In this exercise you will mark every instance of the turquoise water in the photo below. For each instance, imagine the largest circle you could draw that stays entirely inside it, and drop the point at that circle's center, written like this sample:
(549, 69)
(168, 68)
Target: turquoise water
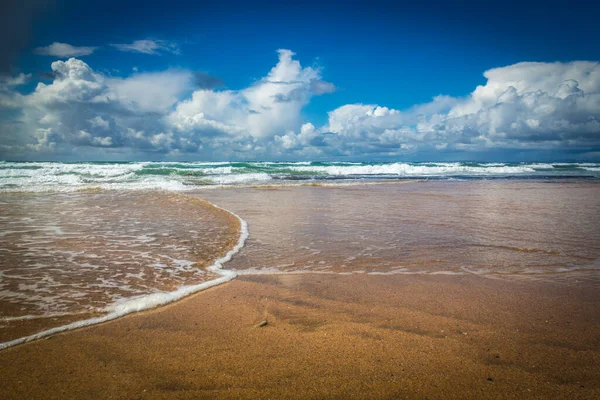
(182, 176)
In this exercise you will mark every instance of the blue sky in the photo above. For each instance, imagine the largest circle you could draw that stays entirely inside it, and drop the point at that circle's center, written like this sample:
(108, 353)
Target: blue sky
(378, 80)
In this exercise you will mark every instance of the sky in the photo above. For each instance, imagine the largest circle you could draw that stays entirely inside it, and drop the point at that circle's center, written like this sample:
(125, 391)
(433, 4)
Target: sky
(239, 80)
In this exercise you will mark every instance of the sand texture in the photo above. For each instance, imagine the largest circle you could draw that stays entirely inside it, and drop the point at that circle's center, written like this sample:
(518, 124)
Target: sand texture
(332, 336)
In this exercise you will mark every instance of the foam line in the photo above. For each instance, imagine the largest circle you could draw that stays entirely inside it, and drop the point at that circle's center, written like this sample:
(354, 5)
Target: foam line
(146, 302)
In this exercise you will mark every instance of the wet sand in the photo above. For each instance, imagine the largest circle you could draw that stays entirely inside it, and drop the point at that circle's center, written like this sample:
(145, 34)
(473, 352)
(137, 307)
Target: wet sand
(516, 316)
(64, 257)
(332, 336)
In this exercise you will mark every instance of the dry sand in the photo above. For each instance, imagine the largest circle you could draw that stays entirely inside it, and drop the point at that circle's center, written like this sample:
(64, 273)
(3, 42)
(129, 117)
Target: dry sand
(331, 336)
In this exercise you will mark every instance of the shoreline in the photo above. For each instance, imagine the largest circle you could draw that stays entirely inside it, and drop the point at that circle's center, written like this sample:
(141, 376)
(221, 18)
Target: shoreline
(340, 334)
(208, 285)
(118, 310)
(153, 300)
(331, 336)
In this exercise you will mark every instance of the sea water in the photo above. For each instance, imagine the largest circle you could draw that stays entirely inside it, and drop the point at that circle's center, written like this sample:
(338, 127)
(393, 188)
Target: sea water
(81, 243)
(178, 176)
(73, 256)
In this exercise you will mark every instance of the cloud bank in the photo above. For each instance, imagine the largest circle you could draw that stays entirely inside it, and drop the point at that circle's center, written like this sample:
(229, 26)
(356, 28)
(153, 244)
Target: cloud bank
(522, 107)
(64, 50)
(179, 114)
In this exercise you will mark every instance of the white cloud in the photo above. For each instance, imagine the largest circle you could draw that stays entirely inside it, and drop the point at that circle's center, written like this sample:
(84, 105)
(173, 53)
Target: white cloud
(82, 107)
(308, 144)
(146, 111)
(530, 104)
(149, 46)
(529, 77)
(10, 99)
(152, 91)
(99, 122)
(10, 81)
(270, 106)
(45, 141)
(64, 50)
(526, 106)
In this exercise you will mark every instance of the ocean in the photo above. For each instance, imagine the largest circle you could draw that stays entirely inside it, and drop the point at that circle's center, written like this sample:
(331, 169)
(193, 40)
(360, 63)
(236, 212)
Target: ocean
(178, 176)
(82, 243)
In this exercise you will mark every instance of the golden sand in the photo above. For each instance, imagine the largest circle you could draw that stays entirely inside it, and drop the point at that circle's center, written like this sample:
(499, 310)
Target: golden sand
(331, 336)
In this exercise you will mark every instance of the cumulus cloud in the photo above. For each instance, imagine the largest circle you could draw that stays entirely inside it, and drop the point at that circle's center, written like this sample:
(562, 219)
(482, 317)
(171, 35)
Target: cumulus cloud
(531, 106)
(9, 99)
(257, 110)
(173, 111)
(149, 46)
(82, 107)
(526, 106)
(64, 50)
(150, 92)
(11, 81)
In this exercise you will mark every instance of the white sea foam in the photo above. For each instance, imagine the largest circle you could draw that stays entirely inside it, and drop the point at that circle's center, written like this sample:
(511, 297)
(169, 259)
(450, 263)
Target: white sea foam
(215, 171)
(144, 302)
(403, 169)
(542, 166)
(35, 317)
(240, 178)
(207, 163)
(183, 176)
(475, 271)
(310, 271)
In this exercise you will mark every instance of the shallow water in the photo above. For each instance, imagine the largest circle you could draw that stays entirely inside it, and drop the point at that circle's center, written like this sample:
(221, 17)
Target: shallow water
(70, 256)
(441, 227)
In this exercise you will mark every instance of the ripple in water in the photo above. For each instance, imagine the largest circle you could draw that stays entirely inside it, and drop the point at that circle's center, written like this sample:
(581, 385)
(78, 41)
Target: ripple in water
(66, 257)
(522, 228)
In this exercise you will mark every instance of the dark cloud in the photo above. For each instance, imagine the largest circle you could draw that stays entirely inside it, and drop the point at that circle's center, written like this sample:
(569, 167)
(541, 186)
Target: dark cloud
(320, 87)
(298, 94)
(202, 80)
(16, 20)
(47, 75)
(315, 87)
(281, 82)
(281, 98)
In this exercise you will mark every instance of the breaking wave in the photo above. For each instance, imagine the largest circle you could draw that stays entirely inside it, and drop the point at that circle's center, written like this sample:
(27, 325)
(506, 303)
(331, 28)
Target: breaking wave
(184, 176)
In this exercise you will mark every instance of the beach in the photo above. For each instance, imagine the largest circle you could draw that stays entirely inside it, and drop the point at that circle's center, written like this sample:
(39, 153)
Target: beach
(260, 200)
(384, 288)
(331, 336)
